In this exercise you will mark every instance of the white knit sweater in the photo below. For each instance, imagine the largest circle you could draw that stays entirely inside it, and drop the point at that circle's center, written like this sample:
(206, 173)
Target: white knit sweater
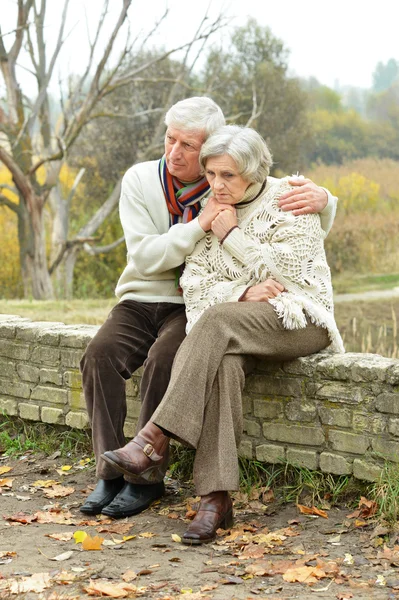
(269, 243)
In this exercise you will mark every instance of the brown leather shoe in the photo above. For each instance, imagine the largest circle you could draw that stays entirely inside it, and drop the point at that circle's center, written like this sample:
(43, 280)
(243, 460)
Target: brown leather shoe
(141, 456)
(215, 510)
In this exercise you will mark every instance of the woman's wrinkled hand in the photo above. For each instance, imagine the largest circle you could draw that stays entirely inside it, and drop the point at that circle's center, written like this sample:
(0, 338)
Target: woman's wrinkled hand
(262, 292)
(224, 222)
(211, 211)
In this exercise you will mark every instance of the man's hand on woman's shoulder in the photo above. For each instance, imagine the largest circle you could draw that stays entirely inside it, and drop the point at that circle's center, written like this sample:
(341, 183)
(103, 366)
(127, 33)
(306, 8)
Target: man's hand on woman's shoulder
(305, 198)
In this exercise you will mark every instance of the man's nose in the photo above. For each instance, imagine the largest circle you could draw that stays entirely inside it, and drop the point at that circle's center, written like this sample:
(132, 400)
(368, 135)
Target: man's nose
(176, 150)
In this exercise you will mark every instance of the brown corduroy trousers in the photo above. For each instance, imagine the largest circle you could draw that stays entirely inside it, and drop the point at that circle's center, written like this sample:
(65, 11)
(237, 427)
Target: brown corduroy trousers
(202, 405)
(135, 334)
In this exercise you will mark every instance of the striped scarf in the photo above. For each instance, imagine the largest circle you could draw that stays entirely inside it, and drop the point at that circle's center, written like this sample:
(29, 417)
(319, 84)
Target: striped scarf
(182, 200)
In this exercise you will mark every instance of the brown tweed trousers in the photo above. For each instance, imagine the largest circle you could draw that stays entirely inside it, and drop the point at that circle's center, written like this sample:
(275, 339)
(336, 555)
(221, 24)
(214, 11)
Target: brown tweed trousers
(202, 404)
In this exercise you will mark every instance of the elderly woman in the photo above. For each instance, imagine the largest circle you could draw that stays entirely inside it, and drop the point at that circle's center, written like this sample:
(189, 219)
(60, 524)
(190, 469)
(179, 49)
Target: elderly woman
(253, 252)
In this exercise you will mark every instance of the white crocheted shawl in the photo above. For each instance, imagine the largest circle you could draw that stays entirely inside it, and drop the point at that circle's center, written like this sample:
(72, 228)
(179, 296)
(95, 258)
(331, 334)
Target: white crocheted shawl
(269, 243)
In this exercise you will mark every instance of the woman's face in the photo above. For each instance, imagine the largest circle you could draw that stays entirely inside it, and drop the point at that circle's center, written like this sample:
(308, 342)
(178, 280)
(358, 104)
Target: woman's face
(226, 183)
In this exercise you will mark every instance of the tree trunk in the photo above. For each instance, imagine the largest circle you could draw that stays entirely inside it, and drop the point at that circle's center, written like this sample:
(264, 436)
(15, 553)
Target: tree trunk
(35, 275)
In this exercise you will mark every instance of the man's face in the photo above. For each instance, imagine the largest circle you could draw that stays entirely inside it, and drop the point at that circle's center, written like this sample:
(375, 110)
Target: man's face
(182, 150)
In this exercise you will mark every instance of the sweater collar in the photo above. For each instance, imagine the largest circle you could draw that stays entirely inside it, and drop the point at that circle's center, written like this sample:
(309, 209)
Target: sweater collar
(252, 192)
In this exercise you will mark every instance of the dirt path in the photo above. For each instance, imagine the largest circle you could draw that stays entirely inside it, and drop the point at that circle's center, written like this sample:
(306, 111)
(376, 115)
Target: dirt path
(370, 295)
(269, 547)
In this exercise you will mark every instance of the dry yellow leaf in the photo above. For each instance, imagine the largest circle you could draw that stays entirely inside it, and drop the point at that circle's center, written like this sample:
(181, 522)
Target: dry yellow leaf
(79, 536)
(147, 534)
(66, 467)
(45, 483)
(92, 543)
(176, 538)
(129, 575)
(113, 590)
(5, 470)
(6, 482)
(59, 491)
(36, 583)
(61, 537)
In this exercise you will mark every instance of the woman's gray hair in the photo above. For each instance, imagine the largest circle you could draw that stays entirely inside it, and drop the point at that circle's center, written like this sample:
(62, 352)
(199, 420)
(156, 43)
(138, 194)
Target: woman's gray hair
(196, 114)
(245, 146)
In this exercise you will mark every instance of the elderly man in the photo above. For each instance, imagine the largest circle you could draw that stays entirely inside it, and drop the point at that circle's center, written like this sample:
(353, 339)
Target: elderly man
(159, 204)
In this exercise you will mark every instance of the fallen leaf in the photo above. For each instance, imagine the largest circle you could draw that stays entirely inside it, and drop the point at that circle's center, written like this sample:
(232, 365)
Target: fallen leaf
(113, 590)
(190, 514)
(129, 575)
(44, 483)
(54, 516)
(59, 491)
(115, 528)
(92, 543)
(6, 553)
(390, 554)
(367, 508)
(6, 482)
(147, 534)
(176, 538)
(79, 536)
(5, 470)
(65, 536)
(312, 511)
(36, 583)
(349, 560)
(344, 595)
(173, 515)
(303, 574)
(21, 517)
(64, 556)
(126, 538)
(66, 467)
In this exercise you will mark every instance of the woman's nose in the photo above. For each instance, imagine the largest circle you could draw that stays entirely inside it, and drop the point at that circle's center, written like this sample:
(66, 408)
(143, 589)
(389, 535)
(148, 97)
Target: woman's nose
(219, 183)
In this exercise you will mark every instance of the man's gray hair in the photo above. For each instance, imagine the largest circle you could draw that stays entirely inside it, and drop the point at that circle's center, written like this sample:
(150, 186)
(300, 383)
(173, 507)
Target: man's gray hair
(245, 146)
(196, 114)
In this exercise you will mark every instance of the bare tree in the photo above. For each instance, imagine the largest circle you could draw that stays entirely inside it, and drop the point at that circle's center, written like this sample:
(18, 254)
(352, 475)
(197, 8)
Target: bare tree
(29, 140)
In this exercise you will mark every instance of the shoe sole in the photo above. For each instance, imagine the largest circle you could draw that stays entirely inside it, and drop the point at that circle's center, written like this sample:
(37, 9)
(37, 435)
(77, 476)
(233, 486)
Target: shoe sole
(152, 474)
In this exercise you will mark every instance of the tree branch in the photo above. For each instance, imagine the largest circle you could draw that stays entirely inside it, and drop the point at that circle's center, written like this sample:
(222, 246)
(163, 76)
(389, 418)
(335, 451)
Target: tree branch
(93, 251)
(4, 201)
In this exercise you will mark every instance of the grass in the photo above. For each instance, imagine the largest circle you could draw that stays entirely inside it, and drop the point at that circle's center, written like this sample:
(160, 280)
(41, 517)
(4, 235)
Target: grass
(385, 492)
(355, 283)
(91, 312)
(18, 437)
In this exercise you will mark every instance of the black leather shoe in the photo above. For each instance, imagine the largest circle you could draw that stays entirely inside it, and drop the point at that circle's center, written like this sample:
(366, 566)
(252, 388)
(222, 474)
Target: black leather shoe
(133, 499)
(103, 494)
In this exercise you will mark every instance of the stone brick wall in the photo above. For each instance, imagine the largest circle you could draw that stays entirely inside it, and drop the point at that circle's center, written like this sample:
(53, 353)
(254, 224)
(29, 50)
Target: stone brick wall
(335, 413)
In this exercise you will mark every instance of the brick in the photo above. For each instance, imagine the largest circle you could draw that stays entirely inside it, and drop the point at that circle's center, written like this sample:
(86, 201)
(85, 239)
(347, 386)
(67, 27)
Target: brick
(274, 386)
(337, 417)
(132, 387)
(268, 409)
(46, 355)
(14, 350)
(133, 409)
(8, 330)
(245, 449)
(303, 458)
(247, 405)
(70, 358)
(393, 427)
(252, 428)
(293, 434)
(370, 367)
(299, 410)
(270, 453)
(78, 337)
(388, 403)
(332, 463)
(8, 406)
(28, 372)
(270, 367)
(51, 376)
(8, 369)
(29, 411)
(77, 420)
(129, 428)
(366, 470)
(387, 449)
(76, 400)
(14, 388)
(338, 392)
(393, 374)
(348, 442)
(53, 415)
(72, 379)
(52, 395)
(305, 365)
(29, 332)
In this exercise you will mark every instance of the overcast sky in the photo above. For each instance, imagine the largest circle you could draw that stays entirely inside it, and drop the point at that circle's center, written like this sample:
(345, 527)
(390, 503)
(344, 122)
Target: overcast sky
(338, 42)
